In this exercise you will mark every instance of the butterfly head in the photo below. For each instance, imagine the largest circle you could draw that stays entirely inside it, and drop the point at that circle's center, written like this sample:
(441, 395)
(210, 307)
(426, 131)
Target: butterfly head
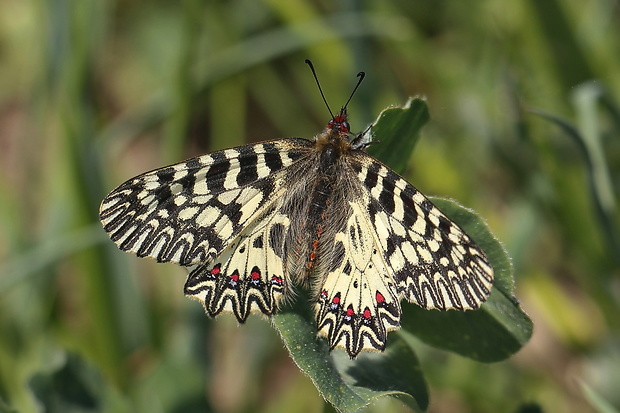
(339, 123)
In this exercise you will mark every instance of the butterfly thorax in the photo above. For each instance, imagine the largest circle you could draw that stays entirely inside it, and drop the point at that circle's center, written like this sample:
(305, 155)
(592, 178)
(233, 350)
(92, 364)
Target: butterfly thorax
(315, 226)
(331, 145)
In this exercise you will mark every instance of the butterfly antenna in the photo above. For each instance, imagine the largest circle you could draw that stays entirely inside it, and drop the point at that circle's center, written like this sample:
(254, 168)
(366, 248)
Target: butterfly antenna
(361, 76)
(309, 63)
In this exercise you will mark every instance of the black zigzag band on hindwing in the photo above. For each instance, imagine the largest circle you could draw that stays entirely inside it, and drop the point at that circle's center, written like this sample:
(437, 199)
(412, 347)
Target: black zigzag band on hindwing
(249, 275)
(235, 293)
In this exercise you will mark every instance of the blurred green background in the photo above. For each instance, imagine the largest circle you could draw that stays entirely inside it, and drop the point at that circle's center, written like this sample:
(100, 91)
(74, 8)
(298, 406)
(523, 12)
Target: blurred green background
(525, 129)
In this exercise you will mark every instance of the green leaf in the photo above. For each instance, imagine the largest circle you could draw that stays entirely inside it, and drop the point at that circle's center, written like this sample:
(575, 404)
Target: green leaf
(396, 131)
(500, 328)
(73, 386)
(5, 408)
(351, 384)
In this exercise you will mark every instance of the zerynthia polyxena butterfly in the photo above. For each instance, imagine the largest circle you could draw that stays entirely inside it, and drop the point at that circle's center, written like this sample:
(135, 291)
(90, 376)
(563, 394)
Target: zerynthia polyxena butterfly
(256, 222)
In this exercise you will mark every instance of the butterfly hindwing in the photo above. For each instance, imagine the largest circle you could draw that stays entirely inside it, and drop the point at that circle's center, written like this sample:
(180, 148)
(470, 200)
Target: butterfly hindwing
(248, 277)
(189, 212)
(358, 302)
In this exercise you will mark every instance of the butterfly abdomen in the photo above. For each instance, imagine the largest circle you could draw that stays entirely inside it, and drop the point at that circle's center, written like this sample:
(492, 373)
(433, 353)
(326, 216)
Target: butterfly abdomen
(316, 216)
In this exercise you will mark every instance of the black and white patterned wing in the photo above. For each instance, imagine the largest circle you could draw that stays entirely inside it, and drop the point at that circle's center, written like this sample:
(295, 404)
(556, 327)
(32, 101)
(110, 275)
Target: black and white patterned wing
(396, 244)
(248, 277)
(358, 303)
(188, 213)
(435, 264)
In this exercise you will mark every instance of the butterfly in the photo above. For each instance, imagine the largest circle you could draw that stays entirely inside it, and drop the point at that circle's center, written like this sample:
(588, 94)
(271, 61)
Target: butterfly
(255, 223)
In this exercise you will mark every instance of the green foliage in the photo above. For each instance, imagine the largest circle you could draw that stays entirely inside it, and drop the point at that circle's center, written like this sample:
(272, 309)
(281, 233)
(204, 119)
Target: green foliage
(72, 387)
(95, 92)
(396, 131)
(346, 384)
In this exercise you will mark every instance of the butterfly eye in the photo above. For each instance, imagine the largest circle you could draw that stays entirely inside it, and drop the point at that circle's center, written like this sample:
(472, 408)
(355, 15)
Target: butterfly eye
(346, 125)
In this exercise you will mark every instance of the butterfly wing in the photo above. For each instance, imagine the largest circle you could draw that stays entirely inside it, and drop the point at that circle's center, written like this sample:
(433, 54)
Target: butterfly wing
(435, 264)
(248, 277)
(395, 244)
(225, 216)
(219, 214)
(358, 302)
(190, 212)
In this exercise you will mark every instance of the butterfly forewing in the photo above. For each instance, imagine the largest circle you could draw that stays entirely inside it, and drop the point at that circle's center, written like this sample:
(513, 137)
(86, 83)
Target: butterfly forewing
(189, 212)
(434, 263)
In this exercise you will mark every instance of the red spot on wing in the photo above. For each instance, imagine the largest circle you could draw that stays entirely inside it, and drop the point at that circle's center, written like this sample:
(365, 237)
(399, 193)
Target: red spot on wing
(350, 311)
(255, 275)
(380, 298)
(335, 304)
(367, 314)
(216, 269)
(235, 276)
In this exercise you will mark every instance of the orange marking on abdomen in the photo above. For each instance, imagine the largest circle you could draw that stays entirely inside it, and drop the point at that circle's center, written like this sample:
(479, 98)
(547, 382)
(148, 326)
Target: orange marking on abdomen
(315, 247)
